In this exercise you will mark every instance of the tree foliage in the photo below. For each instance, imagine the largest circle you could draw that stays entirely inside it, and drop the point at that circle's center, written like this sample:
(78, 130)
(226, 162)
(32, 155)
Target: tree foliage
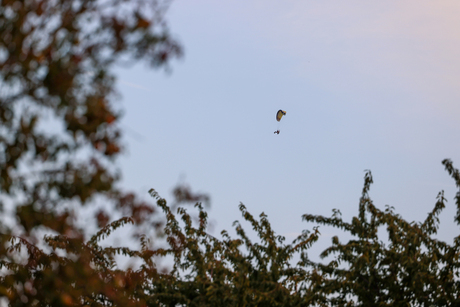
(411, 268)
(59, 139)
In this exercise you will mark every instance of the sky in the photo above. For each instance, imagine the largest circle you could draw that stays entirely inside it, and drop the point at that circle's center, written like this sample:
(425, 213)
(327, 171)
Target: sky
(365, 84)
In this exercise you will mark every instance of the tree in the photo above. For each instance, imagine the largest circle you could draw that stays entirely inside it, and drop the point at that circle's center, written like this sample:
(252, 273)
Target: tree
(59, 139)
(208, 271)
(412, 269)
(58, 143)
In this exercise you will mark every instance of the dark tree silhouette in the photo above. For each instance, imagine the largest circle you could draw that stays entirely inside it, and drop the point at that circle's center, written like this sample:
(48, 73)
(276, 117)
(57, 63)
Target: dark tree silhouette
(413, 268)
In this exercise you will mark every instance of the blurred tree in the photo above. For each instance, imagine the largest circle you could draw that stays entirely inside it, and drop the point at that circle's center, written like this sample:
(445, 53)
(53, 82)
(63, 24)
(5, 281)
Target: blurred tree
(58, 141)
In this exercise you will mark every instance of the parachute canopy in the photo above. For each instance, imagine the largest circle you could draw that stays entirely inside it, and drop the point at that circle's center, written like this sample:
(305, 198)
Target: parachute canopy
(280, 114)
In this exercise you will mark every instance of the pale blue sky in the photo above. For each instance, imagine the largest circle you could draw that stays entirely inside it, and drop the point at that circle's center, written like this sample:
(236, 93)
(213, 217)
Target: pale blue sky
(366, 85)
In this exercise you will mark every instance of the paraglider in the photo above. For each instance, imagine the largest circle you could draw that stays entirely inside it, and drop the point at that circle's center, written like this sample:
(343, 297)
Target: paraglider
(279, 115)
